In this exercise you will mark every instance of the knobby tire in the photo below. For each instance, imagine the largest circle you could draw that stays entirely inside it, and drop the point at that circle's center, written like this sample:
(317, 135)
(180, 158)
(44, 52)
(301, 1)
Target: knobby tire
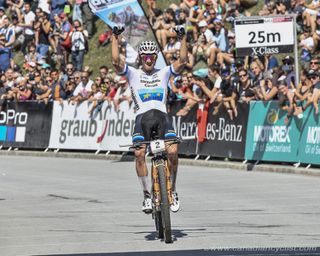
(165, 207)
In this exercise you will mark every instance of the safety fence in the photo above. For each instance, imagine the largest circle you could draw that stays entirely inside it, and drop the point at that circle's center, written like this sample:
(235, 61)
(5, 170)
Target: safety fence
(259, 132)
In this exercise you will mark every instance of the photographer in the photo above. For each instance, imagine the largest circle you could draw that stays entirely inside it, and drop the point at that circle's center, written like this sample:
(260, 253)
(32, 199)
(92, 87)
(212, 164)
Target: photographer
(78, 41)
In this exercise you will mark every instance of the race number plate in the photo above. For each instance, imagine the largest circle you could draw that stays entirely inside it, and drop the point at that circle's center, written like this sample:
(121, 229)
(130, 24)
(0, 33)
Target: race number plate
(157, 146)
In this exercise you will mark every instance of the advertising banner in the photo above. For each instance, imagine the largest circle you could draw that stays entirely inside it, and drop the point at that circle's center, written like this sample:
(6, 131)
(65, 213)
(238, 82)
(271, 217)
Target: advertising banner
(130, 15)
(264, 35)
(309, 148)
(105, 129)
(226, 137)
(185, 127)
(269, 137)
(25, 125)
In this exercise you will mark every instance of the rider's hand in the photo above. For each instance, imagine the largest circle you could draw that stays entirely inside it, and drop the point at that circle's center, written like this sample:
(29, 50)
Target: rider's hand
(117, 30)
(180, 30)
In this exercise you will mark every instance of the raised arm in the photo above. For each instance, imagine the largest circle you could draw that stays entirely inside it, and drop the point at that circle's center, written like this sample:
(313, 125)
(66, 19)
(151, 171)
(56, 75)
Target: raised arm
(116, 60)
(180, 63)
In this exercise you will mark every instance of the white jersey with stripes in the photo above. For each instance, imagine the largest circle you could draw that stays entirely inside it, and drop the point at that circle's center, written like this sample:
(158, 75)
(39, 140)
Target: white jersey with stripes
(149, 90)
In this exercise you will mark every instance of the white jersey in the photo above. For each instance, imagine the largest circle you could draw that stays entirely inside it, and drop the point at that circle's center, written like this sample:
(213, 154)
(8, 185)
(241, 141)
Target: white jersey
(149, 91)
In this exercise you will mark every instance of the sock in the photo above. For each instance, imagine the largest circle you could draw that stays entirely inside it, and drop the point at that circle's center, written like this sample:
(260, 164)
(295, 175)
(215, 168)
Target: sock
(144, 184)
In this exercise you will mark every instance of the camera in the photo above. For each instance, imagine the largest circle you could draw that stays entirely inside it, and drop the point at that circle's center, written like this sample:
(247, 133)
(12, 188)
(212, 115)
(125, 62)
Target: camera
(117, 30)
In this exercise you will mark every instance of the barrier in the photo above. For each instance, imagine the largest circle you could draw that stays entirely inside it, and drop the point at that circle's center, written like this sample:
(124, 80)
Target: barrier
(25, 125)
(258, 133)
(270, 138)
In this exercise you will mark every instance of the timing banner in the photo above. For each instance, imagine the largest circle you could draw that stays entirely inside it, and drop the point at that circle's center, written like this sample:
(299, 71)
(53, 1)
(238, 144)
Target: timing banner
(105, 129)
(25, 125)
(264, 35)
(226, 137)
(130, 15)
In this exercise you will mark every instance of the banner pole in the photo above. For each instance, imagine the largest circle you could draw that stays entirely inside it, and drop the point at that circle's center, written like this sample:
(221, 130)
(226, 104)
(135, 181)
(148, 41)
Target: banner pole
(296, 50)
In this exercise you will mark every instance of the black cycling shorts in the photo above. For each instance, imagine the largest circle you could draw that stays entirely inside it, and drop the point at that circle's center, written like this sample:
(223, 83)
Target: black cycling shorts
(151, 124)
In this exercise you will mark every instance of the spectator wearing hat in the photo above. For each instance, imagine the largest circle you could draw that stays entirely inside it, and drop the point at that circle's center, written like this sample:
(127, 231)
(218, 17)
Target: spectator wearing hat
(123, 93)
(8, 32)
(205, 42)
(227, 96)
(6, 56)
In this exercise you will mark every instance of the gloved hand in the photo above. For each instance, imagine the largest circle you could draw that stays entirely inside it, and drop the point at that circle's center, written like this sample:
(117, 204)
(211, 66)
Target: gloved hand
(180, 30)
(117, 30)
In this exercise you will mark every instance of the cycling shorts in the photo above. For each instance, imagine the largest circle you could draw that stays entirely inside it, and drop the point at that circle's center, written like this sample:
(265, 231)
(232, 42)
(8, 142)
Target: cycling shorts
(151, 124)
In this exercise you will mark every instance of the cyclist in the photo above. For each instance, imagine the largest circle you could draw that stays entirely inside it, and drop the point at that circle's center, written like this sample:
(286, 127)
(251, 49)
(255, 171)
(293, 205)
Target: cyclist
(149, 89)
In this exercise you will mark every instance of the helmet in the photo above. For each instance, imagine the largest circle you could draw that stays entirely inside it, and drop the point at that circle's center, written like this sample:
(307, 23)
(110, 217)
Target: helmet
(148, 47)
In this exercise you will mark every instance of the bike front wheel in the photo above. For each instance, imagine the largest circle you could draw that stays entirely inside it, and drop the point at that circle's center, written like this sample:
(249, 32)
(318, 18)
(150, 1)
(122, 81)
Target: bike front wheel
(164, 205)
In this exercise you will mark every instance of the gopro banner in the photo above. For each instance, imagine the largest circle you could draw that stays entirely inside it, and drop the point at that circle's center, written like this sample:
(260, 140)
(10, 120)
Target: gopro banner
(130, 15)
(25, 125)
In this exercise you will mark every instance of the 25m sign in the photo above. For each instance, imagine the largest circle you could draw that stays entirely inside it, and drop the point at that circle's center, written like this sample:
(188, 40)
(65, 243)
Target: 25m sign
(264, 35)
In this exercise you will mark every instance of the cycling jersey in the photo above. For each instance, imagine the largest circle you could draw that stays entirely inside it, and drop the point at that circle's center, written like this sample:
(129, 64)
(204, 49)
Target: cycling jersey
(149, 91)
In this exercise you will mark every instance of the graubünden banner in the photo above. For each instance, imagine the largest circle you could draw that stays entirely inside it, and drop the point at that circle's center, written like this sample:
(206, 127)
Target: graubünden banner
(25, 125)
(105, 129)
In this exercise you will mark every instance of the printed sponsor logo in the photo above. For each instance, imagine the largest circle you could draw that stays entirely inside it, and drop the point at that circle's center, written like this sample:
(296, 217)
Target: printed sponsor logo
(12, 125)
(118, 127)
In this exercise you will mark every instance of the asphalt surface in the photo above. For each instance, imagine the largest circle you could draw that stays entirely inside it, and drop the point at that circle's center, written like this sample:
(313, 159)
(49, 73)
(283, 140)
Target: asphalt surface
(57, 206)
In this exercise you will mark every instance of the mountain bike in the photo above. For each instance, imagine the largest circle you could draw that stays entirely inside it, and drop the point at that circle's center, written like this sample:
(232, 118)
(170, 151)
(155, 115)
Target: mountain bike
(161, 191)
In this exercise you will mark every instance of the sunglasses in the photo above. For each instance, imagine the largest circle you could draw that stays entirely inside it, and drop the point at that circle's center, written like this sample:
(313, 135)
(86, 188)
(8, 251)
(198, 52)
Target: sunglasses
(314, 62)
(77, 77)
(243, 75)
(149, 57)
(313, 77)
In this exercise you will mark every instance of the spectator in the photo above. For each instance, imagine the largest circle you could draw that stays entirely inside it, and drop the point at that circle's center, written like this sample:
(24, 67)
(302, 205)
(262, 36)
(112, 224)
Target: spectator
(95, 97)
(307, 45)
(267, 89)
(103, 70)
(289, 72)
(314, 78)
(43, 91)
(6, 56)
(285, 99)
(171, 49)
(2, 15)
(42, 28)
(29, 33)
(257, 71)
(78, 42)
(123, 93)
(244, 89)
(9, 32)
(83, 89)
(87, 18)
(227, 58)
(302, 94)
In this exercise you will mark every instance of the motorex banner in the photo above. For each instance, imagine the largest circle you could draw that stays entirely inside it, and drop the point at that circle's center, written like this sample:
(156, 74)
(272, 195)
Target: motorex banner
(309, 149)
(127, 13)
(269, 137)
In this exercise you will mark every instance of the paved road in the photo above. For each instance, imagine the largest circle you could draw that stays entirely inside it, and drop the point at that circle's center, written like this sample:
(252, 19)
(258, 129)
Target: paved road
(54, 206)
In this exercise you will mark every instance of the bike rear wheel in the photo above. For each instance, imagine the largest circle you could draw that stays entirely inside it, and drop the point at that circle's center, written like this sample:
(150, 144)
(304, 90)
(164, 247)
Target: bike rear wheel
(164, 205)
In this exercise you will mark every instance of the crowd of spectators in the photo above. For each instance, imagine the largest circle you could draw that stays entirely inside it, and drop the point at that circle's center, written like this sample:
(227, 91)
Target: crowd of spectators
(227, 79)
(53, 36)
